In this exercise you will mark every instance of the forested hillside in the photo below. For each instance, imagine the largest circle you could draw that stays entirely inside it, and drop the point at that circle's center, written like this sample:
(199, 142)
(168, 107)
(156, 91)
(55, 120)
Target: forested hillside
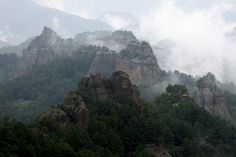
(118, 123)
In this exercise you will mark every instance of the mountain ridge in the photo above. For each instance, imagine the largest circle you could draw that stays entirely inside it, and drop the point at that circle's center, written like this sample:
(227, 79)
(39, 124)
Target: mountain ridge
(133, 57)
(30, 12)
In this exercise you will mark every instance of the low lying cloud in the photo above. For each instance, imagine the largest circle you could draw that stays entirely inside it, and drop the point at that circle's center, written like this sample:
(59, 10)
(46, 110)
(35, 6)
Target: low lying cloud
(119, 21)
(68, 6)
(6, 35)
(3, 36)
(202, 39)
(57, 26)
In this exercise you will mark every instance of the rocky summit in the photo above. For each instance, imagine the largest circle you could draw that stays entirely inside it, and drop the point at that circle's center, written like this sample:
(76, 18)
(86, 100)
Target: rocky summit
(93, 90)
(115, 51)
(42, 49)
(208, 95)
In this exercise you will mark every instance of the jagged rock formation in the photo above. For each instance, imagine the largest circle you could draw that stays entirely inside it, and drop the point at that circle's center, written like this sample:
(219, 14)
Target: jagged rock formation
(75, 104)
(42, 49)
(139, 62)
(115, 51)
(126, 54)
(208, 95)
(118, 88)
(73, 110)
(93, 90)
(56, 116)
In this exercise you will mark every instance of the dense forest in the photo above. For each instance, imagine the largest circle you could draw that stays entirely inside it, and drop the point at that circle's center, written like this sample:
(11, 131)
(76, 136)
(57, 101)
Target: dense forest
(173, 121)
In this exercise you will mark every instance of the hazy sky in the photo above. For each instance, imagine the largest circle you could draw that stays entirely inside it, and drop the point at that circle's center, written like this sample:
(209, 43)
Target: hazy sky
(139, 8)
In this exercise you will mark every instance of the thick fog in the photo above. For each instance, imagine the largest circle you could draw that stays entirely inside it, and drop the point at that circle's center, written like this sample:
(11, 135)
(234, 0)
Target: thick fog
(199, 40)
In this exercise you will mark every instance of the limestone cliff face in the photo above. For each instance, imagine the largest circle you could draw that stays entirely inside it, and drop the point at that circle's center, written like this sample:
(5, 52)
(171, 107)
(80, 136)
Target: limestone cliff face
(126, 54)
(139, 62)
(119, 50)
(93, 90)
(208, 95)
(136, 59)
(43, 48)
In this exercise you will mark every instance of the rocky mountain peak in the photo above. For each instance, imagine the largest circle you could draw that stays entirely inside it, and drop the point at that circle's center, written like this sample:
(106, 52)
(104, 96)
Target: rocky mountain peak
(47, 38)
(48, 33)
(117, 51)
(118, 88)
(122, 36)
(208, 95)
(93, 90)
(47, 30)
(207, 81)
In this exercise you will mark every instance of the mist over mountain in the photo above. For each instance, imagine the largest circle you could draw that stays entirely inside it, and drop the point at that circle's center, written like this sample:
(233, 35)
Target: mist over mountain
(198, 37)
(152, 78)
(33, 17)
(17, 49)
(116, 20)
(2, 44)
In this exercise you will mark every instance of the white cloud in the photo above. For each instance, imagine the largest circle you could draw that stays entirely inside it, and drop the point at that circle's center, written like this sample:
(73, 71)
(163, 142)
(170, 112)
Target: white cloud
(116, 21)
(56, 26)
(200, 36)
(68, 6)
(55, 23)
(3, 36)
(6, 35)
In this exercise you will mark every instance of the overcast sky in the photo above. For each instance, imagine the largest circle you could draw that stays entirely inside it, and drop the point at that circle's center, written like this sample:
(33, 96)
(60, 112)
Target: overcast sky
(139, 8)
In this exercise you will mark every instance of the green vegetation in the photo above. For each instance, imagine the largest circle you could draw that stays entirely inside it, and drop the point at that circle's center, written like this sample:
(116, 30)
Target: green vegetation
(114, 130)
(8, 64)
(44, 86)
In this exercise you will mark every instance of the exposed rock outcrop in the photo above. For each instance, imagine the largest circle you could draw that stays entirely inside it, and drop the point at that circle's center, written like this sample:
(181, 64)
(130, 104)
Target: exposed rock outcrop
(77, 109)
(42, 49)
(139, 62)
(136, 59)
(93, 90)
(208, 95)
(56, 116)
(115, 51)
(73, 110)
(118, 88)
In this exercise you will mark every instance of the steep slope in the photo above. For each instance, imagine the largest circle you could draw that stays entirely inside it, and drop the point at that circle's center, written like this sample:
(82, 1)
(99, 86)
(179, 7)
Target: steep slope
(208, 95)
(43, 48)
(119, 50)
